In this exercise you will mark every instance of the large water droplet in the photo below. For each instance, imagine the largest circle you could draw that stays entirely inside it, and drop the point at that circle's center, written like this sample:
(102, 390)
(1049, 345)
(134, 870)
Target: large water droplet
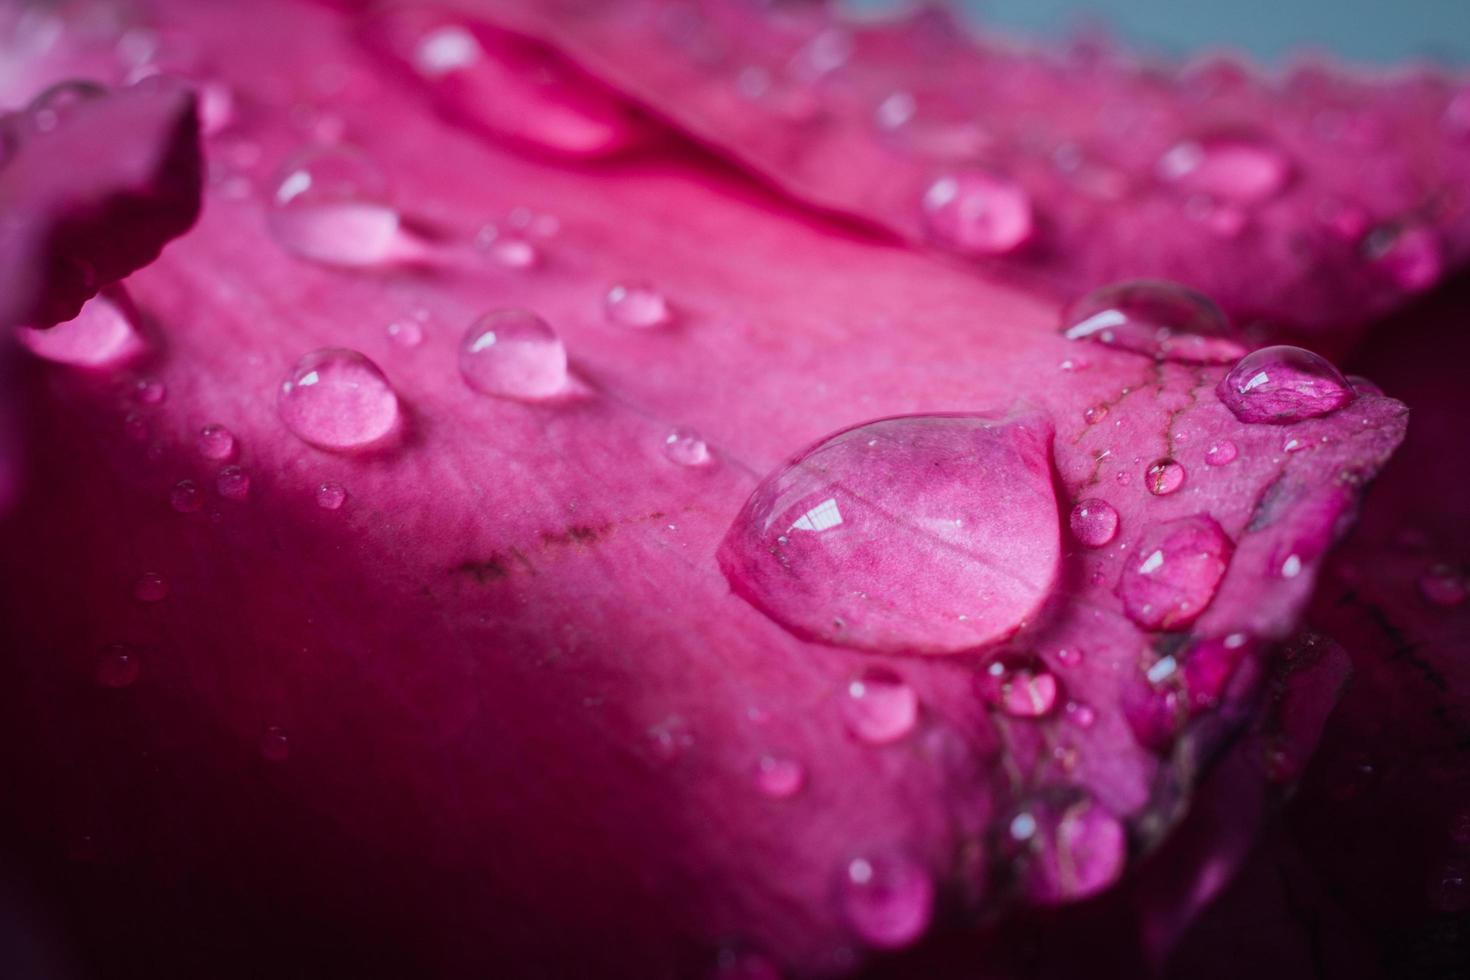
(102, 335)
(636, 304)
(1174, 571)
(1409, 254)
(330, 205)
(513, 354)
(118, 666)
(1282, 385)
(888, 899)
(1019, 685)
(1164, 477)
(1160, 319)
(1240, 168)
(976, 213)
(337, 399)
(879, 706)
(779, 778)
(919, 534)
(1094, 522)
(1064, 848)
(216, 442)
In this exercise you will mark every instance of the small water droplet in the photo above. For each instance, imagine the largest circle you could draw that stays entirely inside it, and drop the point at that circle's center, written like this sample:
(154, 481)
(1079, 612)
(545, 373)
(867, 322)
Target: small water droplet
(1164, 476)
(1409, 254)
(1095, 414)
(216, 442)
(405, 333)
(1081, 715)
(1161, 319)
(186, 497)
(150, 587)
(136, 427)
(331, 496)
(233, 483)
(1068, 656)
(118, 666)
(149, 392)
(670, 738)
(275, 746)
(336, 399)
(1282, 385)
(685, 447)
(1219, 217)
(888, 899)
(446, 49)
(976, 213)
(1018, 684)
(879, 706)
(1221, 453)
(1094, 522)
(636, 304)
(779, 778)
(102, 335)
(513, 354)
(1444, 585)
(1064, 848)
(330, 205)
(59, 102)
(1174, 571)
(1236, 167)
(510, 250)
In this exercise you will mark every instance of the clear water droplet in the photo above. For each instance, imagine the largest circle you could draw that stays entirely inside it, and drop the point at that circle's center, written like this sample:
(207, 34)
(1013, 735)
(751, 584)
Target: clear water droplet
(1094, 522)
(1408, 254)
(186, 497)
(879, 706)
(1069, 656)
(976, 213)
(510, 250)
(118, 666)
(1235, 167)
(1444, 585)
(216, 442)
(1064, 847)
(513, 354)
(1164, 476)
(233, 483)
(1018, 684)
(685, 447)
(1174, 571)
(1081, 715)
(1282, 385)
(275, 746)
(330, 205)
(331, 496)
(1221, 453)
(405, 333)
(337, 399)
(917, 534)
(149, 392)
(888, 899)
(150, 587)
(1160, 319)
(102, 335)
(636, 304)
(1095, 414)
(779, 778)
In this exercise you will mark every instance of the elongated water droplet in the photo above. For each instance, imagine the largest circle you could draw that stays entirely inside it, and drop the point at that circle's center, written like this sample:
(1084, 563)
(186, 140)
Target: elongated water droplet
(1444, 585)
(216, 442)
(779, 778)
(685, 447)
(918, 534)
(636, 304)
(330, 496)
(1064, 847)
(1174, 571)
(102, 335)
(337, 399)
(513, 354)
(879, 706)
(232, 483)
(888, 899)
(1019, 685)
(1221, 453)
(1094, 522)
(1282, 385)
(150, 587)
(1164, 477)
(976, 213)
(1160, 319)
(118, 666)
(186, 497)
(330, 205)
(1240, 168)
(1408, 254)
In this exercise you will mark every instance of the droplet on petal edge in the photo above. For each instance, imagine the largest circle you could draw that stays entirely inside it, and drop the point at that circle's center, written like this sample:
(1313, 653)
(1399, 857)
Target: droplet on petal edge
(102, 335)
(1173, 572)
(513, 354)
(888, 899)
(1282, 385)
(337, 399)
(917, 534)
(330, 205)
(1160, 319)
(1094, 522)
(976, 213)
(879, 706)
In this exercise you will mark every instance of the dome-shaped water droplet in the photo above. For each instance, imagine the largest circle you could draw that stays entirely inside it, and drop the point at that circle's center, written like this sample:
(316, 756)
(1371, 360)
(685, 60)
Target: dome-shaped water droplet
(1079, 714)
(1282, 385)
(878, 706)
(149, 392)
(888, 899)
(1160, 319)
(337, 399)
(685, 447)
(1064, 847)
(1444, 585)
(1094, 522)
(636, 304)
(1018, 684)
(53, 106)
(779, 778)
(330, 205)
(216, 442)
(513, 354)
(1241, 168)
(405, 333)
(150, 587)
(1173, 572)
(330, 496)
(1409, 255)
(1095, 414)
(186, 497)
(1164, 476)
(118, 666)
(233, 483)
(918, 534)
(102, 335)
(1221, 453)
(976, 213)
(513, 251)
(275, 746)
